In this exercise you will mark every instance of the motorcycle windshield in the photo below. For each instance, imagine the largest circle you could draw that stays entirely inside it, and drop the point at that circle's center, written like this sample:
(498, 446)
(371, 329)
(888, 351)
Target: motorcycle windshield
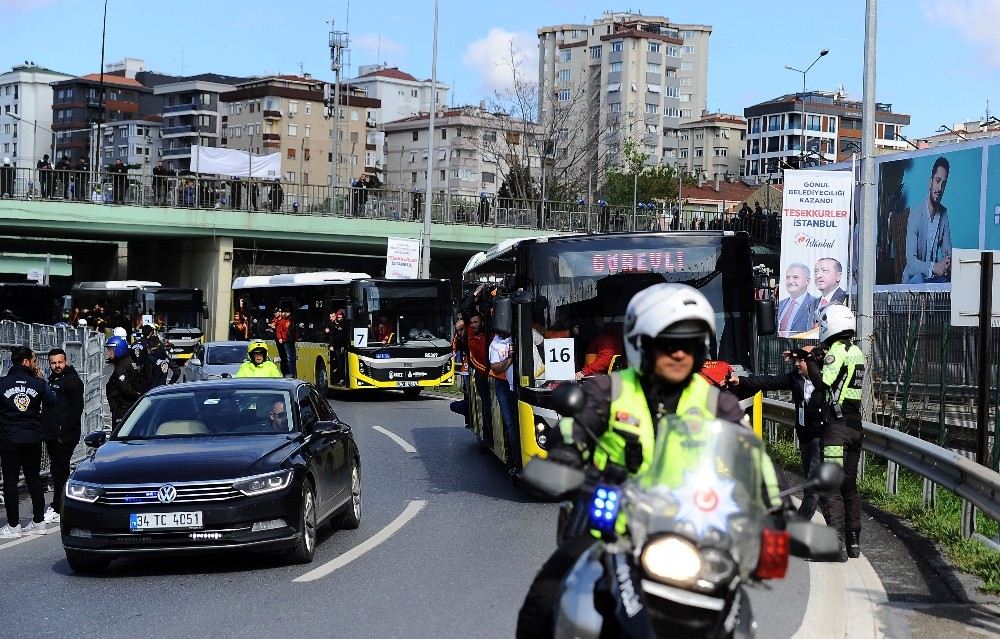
(704, 482)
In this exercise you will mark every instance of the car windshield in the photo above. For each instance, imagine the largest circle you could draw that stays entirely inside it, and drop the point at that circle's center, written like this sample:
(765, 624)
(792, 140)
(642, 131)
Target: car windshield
(209, 412)
(225, 354)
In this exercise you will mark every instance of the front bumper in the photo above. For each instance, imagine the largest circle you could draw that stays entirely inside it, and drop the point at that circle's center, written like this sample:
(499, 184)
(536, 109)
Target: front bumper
(226, 526)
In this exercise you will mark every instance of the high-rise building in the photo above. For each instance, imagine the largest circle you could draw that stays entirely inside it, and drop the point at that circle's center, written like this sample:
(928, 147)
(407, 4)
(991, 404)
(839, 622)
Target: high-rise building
(286, 115)
(776, 139)
(401, 94)
(26, 114)
(625, 77)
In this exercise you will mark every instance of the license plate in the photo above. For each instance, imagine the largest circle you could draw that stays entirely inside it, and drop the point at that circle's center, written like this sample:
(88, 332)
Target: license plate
(407, 384)
(152, 521)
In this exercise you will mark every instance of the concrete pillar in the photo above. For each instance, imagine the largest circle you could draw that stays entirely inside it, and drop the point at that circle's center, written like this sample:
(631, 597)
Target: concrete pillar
(208, 264)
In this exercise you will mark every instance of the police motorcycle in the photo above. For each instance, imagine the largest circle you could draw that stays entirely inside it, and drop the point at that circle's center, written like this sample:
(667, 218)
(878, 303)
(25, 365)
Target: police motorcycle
(675, 547)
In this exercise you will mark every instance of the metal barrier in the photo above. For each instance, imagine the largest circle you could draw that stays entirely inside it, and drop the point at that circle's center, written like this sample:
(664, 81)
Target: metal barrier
(977, 485)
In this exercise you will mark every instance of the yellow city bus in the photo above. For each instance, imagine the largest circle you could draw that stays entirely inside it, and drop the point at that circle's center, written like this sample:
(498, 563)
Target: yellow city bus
(397, 333)
(571, 287)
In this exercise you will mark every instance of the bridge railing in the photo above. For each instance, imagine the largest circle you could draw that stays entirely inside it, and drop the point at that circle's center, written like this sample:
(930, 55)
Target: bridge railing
(293, 198)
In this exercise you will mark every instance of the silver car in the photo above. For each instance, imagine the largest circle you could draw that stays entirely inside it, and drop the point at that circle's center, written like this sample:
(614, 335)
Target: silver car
(214, 360)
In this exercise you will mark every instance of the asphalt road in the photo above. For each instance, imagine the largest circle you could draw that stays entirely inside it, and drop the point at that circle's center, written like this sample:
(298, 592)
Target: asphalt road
(447, 548)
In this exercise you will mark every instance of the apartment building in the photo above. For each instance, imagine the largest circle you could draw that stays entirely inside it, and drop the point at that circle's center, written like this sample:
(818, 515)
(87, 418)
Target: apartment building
(401, 95)
(776, 138)
(988, 127)
(712, 146)
(624, 77)
(26, 113)
(192, 115)
(137, 143)
(473, 150)
(286, 115)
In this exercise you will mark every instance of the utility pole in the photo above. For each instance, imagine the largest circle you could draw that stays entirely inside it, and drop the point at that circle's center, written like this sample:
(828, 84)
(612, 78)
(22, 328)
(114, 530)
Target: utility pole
(339, 42)
(425, 246)
(865, 304)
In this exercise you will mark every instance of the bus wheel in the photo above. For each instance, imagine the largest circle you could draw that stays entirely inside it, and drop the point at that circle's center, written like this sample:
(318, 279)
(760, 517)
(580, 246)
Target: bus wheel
(321, 377)
(411, 393)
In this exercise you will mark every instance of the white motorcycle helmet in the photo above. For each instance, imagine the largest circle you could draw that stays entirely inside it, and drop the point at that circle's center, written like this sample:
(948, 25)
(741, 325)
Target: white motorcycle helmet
(119, 331)
(666, 310)
(836, 320)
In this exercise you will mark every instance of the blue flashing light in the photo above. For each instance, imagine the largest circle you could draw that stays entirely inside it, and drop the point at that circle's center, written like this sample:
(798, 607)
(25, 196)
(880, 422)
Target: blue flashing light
(599, 503)
(612, 495)
(602, 493)
(608, 516)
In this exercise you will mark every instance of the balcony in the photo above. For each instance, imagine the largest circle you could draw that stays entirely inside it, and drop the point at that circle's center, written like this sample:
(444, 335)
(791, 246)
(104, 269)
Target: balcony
(184, 150)
(177, 130)
(371, 124)
(270, 114)
(177, 108)
(272, 137)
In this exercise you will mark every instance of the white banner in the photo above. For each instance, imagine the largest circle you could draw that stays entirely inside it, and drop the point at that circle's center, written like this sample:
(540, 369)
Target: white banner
(234, 163)
(402, 259)
(815, 247)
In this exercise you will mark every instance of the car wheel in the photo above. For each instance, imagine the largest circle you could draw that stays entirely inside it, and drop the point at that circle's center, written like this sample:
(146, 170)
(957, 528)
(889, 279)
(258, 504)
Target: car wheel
(351, 518)
(411, 393)
(305, 549)
(87, 565)
(322, 384)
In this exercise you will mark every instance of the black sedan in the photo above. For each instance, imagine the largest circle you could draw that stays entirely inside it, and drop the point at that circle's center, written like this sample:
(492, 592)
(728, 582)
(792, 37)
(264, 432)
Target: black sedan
(220, 465)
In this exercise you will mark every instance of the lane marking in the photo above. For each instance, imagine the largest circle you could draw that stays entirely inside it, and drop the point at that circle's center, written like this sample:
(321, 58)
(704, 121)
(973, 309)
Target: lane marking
(372, 542)
(23, 539)
(405, 445)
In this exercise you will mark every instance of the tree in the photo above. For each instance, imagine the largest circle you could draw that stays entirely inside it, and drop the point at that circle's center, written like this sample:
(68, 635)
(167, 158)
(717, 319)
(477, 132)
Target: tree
(633, 178)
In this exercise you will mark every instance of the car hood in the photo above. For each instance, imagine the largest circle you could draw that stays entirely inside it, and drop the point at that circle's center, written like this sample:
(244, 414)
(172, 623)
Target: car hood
(178, 459)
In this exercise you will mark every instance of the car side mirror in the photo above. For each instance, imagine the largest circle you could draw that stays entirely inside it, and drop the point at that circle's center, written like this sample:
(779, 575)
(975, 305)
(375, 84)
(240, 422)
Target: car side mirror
(194, 361)
(766, 318)
(326, 428)
(95, 439)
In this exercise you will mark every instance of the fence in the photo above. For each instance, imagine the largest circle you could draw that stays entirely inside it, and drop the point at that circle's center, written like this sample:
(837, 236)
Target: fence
(84, 351)
(199, 192)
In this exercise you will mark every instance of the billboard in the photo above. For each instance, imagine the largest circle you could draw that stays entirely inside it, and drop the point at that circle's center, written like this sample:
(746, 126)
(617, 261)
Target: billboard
(402, 259)
(815, 247)
(931, 202)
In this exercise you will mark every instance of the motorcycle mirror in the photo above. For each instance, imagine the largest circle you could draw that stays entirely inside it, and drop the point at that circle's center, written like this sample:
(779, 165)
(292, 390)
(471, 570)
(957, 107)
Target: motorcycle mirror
(828, 476)
(551, 478)
(568, 399)
(813, 541)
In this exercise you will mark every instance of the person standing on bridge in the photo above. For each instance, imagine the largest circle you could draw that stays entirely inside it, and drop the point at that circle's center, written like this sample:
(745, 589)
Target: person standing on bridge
(7, 174)
(119, 181)
(45, 177)
(838, 372)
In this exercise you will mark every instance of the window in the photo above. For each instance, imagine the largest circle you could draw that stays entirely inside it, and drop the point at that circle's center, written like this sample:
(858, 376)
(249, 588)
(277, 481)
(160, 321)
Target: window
(564, 75)
(443, 176)
(699, 152)
(673, 92)
(652, 67)
(413, 93)
(616, 107)
(614, 88)
(413, 177)
(565, 55)
(672, 51)
(354, 115)
(653, 88)
(685, 97)
(813, 122)
(416, 136)
(595, 53)
(289, 176)
(615, 67)
(686, 82)
(651, 108)
(308, 129)
(306, 156)
(309, 108)
(687, 66)
(413, 158)
(721, 152)
(489, 178)
(293, 129)
(564, 95)
(444, 134)
(687, 49)
(291, 154)
(654, 47)
(617, 45)
(774, 123)
(684, 154)
(293, 107)
(674, 112)
(651, 128)
(831, 127)
(488, 136)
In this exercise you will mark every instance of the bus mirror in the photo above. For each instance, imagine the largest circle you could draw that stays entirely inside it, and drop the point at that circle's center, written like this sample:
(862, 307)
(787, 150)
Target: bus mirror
(204, 311)
(503, 316)
(349, 313)
(766, 317)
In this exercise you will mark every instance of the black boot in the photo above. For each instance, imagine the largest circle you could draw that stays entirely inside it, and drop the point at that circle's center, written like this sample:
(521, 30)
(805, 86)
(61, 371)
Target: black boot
(854, 544)
(843, 550)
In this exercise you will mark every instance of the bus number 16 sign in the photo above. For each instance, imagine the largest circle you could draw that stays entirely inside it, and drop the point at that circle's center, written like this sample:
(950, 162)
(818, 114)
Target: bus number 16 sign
(560, 358)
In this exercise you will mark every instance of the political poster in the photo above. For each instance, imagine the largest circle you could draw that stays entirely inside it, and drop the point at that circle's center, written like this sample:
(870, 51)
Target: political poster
(402, 259)
(815, 247)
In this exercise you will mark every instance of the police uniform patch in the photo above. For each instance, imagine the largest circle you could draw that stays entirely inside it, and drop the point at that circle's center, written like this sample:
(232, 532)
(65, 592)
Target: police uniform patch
(829, 359)
(21, 402)
(164, 366)
(121, 378)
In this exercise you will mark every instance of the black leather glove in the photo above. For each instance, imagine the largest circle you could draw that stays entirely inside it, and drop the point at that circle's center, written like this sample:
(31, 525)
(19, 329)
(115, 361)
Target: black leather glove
(567, 455)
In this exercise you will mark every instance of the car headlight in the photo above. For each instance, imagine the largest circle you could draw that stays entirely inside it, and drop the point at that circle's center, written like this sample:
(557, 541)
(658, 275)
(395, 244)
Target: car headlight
(671, 559)
(260, 484)
(82, 491)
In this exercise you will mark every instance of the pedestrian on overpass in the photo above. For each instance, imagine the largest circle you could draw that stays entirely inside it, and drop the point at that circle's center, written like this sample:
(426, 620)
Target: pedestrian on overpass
(809, 410)
(838, 372)
(62, 426)
(23, 395)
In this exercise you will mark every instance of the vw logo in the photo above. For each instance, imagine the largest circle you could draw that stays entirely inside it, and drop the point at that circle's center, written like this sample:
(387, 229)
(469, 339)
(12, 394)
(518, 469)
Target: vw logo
(166, 494)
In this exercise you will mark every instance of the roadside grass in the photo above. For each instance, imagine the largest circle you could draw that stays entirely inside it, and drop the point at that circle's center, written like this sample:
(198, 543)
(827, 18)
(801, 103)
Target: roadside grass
(941, 525)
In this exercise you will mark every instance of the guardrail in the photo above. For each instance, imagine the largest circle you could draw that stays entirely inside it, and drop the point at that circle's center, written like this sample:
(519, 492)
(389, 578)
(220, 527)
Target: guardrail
(977, 485)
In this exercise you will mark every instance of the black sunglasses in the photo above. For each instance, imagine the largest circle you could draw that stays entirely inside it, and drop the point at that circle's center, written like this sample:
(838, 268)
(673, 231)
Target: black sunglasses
(668, 345)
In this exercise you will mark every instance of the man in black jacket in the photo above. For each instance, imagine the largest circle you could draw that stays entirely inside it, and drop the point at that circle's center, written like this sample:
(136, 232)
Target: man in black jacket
(808, 412)
(23, 393)
(157, 364)
(62, 427)
(125, 384)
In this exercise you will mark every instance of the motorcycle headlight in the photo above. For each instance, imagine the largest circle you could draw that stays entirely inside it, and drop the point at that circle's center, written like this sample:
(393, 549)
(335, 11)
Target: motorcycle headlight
(671, 559)
(82, 491)
(261, 484)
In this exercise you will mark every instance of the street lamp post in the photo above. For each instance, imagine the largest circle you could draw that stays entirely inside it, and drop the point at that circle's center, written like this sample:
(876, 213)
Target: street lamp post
(802, 98)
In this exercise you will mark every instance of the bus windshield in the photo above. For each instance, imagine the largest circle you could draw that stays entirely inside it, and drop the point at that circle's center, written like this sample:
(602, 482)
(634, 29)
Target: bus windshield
(582, 287)
(399, 312)
(180, 308)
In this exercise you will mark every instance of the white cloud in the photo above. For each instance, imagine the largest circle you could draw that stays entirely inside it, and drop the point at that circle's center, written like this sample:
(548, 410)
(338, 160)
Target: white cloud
(975, 20)
(379, 48)
(491, 58)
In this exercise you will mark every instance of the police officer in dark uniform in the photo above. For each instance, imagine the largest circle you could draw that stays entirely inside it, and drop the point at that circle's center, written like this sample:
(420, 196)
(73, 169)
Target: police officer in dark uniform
(840, 380)
(23, 394)
(125, 384)
(157, 362)
(62, 168)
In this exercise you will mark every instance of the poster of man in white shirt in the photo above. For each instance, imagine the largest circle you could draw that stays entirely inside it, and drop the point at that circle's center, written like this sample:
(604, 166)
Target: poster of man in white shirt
(928, 234)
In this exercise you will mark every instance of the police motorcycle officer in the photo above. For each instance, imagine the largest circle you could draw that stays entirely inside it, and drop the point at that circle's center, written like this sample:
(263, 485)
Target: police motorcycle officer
(837, 369)
(258, 364)
(125, 385)
(667, 331)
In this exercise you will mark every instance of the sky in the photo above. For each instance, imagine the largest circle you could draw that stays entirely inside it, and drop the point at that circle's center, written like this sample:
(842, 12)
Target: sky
(937, 60)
